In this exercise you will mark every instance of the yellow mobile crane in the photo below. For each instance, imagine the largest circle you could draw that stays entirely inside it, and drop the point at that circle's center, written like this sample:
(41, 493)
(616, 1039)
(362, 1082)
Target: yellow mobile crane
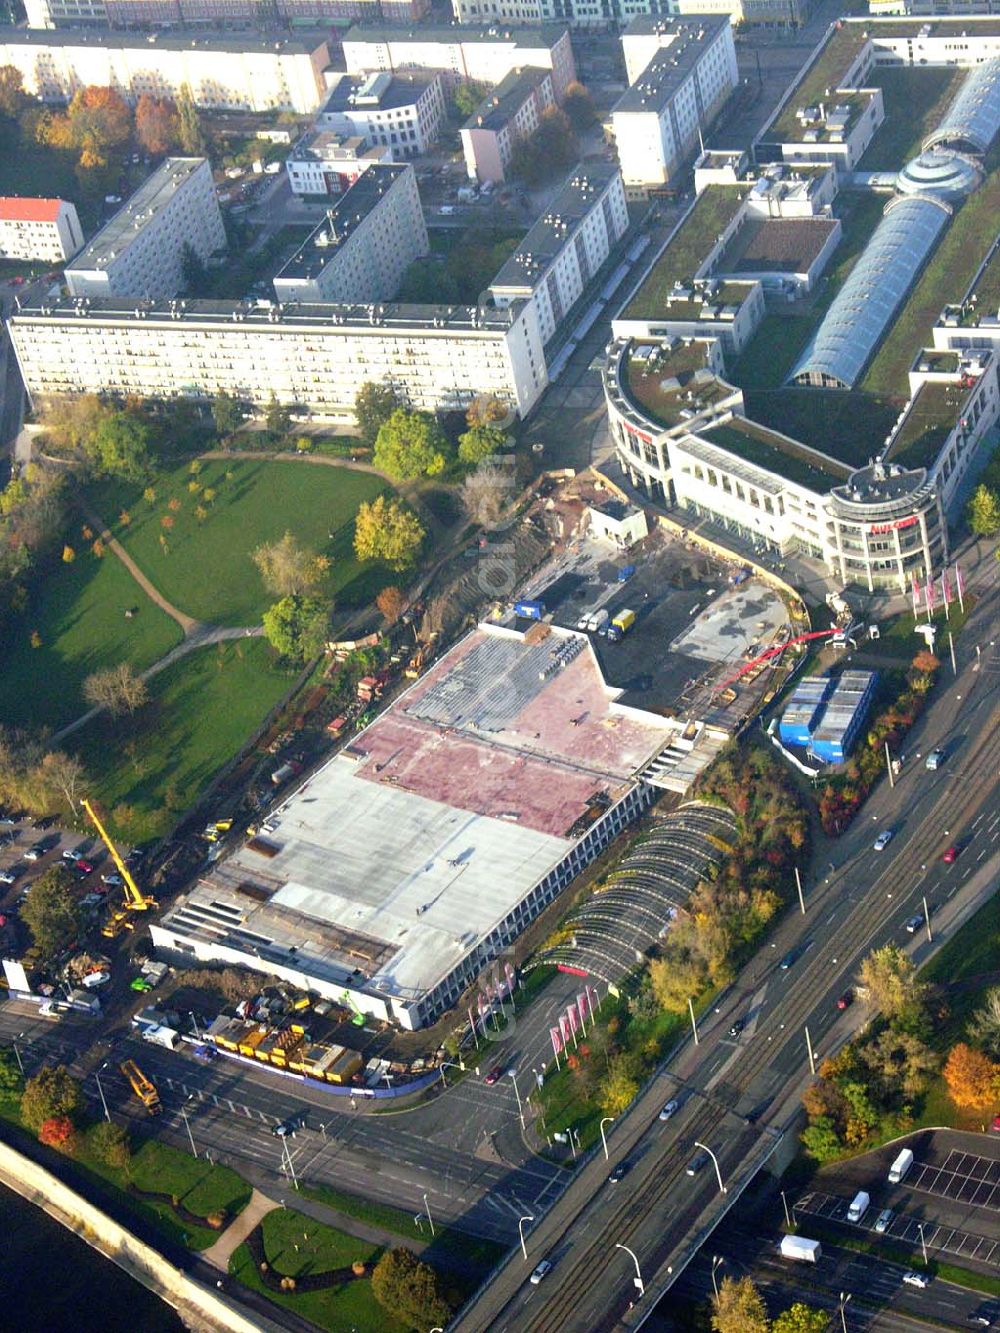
(143, 1087)
(135, 901)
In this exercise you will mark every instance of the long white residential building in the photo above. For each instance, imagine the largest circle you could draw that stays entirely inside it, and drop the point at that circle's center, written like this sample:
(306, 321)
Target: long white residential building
(157, 15)
(46, 229)
(566, 247)
(140, 252)
(364, 245)
(477, 54)
(602, 13)
(312, 358)
(223, 71)
(682, 72)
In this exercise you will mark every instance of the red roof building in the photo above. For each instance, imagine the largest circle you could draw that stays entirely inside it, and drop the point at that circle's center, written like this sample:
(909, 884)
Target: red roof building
(38, 229)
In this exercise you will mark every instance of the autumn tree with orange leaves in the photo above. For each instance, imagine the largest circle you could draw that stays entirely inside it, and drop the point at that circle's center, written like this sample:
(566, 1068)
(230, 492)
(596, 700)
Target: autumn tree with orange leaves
(973, 1079)
(96, 121)
(156, 123)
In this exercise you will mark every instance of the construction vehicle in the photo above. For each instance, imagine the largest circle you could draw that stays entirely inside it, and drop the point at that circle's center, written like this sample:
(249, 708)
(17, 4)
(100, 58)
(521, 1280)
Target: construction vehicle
(213, 832)
(143, 1087)
(134, 900)
(357, 1017)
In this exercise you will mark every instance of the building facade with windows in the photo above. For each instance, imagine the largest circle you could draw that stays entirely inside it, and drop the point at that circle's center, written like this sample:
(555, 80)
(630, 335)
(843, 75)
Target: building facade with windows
(565, 249)
(313, 359)
(45, 229)
(364, 245)
(160, 15)
(324, 163)
(140, 251)
(783, 14)
(508, 115)
(473, 54)
(401, 112)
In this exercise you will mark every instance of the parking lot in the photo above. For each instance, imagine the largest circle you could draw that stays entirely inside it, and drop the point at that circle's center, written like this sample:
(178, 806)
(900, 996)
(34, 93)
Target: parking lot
(963, 1177)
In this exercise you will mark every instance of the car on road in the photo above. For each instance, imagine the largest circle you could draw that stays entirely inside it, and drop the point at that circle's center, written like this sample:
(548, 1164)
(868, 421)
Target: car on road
(494, 1076)
(920, 1280)
(205, 1053)
(790, 957)
(883, 840)
(673, 1106)
(737, 1027)
(846, 1000)
(620, 1172)
(882, 1221)
(934, 760)
(995, 1127)
(985, 1314)
(913, 923)
(542, 1271)
(75, 853)
(35, 852)
(951, 855)
(696, 1163)
(286, 1129)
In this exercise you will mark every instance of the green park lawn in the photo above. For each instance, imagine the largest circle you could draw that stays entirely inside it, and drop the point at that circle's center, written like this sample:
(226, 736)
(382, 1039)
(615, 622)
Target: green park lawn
(206, 569)
(79, 613)
(296, 1246)
(202, 709)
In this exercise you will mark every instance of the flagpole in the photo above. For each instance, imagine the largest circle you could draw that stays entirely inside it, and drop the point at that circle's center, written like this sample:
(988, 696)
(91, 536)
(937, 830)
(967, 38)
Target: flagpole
(958, 583)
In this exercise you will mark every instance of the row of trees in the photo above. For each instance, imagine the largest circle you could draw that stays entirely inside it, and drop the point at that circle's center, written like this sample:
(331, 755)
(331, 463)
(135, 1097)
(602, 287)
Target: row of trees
(972, 1069)
(844, 795)
(739, 1308)
(35, 777)
(52, 1104)
(32, 515)
(983, 511)
(407, 444)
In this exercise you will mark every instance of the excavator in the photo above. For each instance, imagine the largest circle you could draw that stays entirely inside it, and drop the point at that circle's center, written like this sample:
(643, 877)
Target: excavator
(135, 901)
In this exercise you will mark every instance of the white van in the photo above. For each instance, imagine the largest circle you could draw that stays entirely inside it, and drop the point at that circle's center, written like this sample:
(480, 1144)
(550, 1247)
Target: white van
(859, 1206)
(900, 1166)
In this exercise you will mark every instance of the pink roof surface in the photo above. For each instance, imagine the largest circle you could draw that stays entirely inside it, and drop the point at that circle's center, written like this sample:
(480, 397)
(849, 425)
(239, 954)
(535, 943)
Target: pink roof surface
(15, 209)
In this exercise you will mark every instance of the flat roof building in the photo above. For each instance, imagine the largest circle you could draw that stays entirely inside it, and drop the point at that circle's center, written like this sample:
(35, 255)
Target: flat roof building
(415, 857)
(566, 247)
(161, 14)
(140, 251)
(361, 250)
(223, 70)
(505, 117)
(44, 229)
(401, 112)
(324, 163)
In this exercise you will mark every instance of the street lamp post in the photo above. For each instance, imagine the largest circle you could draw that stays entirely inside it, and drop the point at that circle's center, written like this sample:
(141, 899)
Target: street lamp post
(569, 1132)
(606, 1121)
(717, 1261)
(715, 1163)
(694, 1025)
(923, 1243)
(194, 1023)
(517, 1094)
(844, 1298)
(638, 1275)
(450, 1064)
(788, 1220)
(429, 1218)
(187, 1126)
(100, 1089)
(528, 1217)
(17, 1053)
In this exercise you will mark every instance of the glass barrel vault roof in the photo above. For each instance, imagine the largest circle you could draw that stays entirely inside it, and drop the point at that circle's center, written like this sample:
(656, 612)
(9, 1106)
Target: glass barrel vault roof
(974, 116)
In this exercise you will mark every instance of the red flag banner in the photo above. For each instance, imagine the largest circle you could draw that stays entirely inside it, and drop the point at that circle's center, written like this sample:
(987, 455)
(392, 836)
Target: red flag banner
(557, 1041)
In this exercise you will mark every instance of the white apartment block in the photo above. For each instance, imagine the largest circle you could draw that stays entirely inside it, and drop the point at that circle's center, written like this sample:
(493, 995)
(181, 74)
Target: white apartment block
(478, 55)
(510, 113)
(158, 15)
(45, 229)
(223, 72)
(565, 249)
(682, 72)
(324, 163)
(312, 358)
(400, 112)
(139, 252)
(365, 244)
(602, 13)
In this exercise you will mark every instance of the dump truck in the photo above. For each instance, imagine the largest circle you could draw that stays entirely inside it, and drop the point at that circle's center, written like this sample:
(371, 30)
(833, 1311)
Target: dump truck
(800, 1248)
(620, 626)
(143, 1087)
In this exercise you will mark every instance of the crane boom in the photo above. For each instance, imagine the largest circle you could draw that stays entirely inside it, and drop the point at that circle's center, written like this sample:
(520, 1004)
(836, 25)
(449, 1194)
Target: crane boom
(135, 900)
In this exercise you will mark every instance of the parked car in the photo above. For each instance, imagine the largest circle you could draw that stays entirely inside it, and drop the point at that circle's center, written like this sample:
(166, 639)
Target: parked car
(8, 876)
(951, 855)
(113, 880)
(883, 839)
(542, 1271)
(205, 1053)
(35, 852)
(619, 1173)
(995, 1127)
(882, 1221)
(43, 821)
(83, 867)
(75, 853)
(920, 1280)
(673, 1106)
(737, 1027)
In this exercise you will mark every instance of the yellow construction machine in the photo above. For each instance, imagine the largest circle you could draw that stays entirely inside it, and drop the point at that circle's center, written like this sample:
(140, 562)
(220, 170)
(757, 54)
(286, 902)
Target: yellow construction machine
(144, 1088)
(135, 901)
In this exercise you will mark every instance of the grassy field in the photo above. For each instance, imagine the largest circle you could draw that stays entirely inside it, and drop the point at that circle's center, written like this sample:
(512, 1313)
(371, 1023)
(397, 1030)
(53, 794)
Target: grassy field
(79, 612)
(206, 569)
(966, 966)
(297, 1246)
(201, 710)
(915, 101)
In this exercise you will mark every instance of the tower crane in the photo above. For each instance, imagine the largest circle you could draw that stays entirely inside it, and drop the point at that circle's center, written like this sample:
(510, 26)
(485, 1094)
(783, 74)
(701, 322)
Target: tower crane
(135, 900)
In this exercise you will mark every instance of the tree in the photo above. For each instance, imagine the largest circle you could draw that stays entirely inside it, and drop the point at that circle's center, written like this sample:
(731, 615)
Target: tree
(984, 512)
(891, 982)
(118, 689)
(11, 1078)
(278, 419)
(739, 1307)
(52, 912)
(59, 1132)
(227, 415)
(189, 133)
(157, 124)
(551, 149)
(296, 627)
(620, 1085)
(391, 602)
(801, 1319)
(69, 422)
(13, 98)
(487, 491)
(119, 447)
(487, 410)
(63, 775)
(677, 979)
(479, 443)
(110, 1144)
(409, 1289)
(984, 1026)
(466, 98)
(97, 121)
(409, 445)
(373, 406)
(972, 1078)
(579, 106)
(384, 530)
(288, 568)
(821, 1140)
(53, 1092)
(427, 281)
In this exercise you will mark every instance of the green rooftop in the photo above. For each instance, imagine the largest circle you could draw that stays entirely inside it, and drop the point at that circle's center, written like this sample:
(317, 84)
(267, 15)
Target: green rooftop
(935, 411)
(659, 388)
(766, 449)
(687, 249)
(828, 71)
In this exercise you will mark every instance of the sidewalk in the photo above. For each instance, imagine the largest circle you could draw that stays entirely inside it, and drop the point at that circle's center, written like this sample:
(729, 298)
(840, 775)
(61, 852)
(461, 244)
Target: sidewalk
(236, 1233)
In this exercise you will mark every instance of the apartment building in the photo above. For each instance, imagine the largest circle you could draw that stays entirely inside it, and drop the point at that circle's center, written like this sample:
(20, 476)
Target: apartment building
(401, 112)
(44, 229)
(510, 113)
(158, 15)
(324, 163)
(682, 73)
(222, 71)
(312, 358)
(565, 249)
(364, 245)
(139, 253)
(477, 54)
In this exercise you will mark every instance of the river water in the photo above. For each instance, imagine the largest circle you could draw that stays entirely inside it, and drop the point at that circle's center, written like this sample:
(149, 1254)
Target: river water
(53, 1282)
